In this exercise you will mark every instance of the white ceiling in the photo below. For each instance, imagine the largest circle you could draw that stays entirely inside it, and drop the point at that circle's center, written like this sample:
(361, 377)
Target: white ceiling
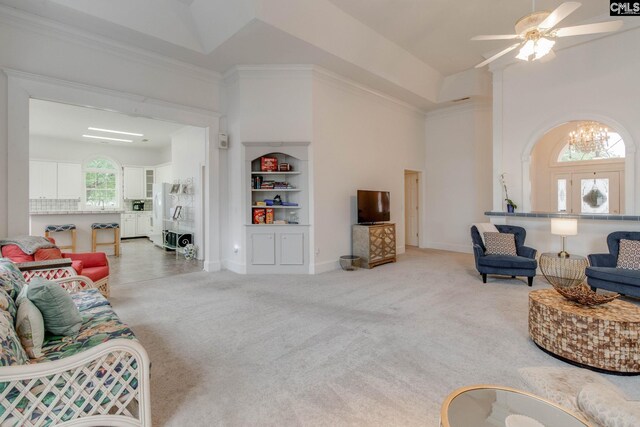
(438, 31)
(414, 50)
(70, 122)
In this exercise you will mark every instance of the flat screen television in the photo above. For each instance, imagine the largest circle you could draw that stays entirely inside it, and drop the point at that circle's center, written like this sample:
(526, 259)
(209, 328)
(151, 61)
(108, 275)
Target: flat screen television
(373, 206)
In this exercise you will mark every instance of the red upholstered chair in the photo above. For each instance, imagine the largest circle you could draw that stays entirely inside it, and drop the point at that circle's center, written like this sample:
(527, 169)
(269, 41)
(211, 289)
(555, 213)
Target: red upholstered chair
(93, 265)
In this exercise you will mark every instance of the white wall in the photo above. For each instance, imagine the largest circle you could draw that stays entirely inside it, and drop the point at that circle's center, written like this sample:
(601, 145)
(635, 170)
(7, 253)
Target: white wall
(262, 105)
(360, 141)
(43, 148)
(188, 159)
(41, 48)
(459, 173)
(589, 81)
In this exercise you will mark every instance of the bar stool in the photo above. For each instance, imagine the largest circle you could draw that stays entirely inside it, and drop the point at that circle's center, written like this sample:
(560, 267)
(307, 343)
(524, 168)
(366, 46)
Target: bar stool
(60, 228)
(106, 226)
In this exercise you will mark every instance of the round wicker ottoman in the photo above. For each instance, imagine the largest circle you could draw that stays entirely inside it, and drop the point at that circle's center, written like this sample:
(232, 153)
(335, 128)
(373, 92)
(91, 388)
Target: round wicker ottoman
(604, 338)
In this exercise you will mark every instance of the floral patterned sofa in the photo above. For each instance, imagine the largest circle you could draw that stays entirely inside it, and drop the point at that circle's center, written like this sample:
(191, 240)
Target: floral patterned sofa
(98, 377)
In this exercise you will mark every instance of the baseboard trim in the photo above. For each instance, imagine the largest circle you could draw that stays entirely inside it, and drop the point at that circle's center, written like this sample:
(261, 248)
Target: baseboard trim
(453, 247)
(235, 267)
(323, 267)
(212, 266)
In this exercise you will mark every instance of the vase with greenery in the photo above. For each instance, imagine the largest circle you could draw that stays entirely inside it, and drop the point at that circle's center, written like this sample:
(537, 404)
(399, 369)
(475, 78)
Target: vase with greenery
(511, 206)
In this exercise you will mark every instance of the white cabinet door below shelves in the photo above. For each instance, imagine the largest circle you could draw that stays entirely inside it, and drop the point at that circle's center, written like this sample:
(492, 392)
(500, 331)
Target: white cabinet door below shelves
(263, 249)
(134, 187)
(292, 249)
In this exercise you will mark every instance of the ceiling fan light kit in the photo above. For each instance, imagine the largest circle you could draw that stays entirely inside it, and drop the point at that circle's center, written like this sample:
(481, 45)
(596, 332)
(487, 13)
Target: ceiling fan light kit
(538, 34)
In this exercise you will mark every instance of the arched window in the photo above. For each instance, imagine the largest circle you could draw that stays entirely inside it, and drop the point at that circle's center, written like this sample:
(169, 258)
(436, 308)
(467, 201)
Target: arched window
(101, 183)
(579, 167)
(613, 150)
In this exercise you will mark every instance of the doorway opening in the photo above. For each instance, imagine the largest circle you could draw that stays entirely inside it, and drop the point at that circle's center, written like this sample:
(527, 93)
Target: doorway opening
(411, 208)
(91, 165)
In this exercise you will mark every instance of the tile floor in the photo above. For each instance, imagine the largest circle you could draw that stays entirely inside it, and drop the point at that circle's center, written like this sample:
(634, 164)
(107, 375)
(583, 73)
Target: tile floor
(141, 260)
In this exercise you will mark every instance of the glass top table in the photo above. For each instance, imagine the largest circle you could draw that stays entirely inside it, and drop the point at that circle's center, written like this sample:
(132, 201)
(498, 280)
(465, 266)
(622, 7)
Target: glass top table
(497, 406)
(563, 271)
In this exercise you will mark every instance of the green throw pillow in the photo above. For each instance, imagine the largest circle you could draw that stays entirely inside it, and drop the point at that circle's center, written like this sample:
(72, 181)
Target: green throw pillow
(11, 279)
(60, 314)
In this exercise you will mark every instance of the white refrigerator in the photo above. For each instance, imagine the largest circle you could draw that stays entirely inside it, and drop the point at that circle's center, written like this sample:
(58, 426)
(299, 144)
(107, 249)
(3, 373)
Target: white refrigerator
(161, 211)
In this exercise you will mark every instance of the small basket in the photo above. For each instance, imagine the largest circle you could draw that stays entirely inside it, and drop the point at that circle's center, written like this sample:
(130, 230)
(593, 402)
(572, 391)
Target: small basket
(349, 262)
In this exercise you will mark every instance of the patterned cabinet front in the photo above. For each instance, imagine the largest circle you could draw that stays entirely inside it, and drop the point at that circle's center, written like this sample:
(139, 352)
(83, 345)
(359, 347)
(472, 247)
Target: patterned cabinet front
(374, 244)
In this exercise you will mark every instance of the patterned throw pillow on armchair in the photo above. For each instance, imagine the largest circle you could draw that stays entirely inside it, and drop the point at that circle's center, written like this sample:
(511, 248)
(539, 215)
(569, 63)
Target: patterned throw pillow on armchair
(629, 254)
(500, 244)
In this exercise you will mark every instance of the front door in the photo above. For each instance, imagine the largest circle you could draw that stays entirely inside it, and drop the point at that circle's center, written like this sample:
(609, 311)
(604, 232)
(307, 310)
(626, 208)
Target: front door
(588, 193)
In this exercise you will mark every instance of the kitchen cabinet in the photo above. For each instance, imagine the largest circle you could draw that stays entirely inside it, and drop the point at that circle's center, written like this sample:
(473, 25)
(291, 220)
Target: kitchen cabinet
(43, 180)
(136, 224)
(143, 224)
(128, 225)
(69, 181)
(149, 175)
(134, 185)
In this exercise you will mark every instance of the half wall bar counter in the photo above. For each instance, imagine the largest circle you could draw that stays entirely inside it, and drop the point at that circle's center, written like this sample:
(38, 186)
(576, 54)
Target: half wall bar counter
(593, 229)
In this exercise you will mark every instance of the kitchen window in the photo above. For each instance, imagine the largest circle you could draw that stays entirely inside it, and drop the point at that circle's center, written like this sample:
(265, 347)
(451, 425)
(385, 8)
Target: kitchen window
(101, 183)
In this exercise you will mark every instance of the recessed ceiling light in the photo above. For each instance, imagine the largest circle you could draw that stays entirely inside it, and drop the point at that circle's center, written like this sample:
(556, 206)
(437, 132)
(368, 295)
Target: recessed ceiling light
(116, 131)
(104, 137)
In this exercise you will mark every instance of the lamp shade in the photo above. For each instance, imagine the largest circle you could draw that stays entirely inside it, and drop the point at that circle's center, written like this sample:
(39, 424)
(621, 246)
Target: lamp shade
(564, 226)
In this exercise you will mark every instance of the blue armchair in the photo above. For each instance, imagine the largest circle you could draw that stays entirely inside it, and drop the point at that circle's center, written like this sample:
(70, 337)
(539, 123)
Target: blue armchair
(524, 264)
(603, 273)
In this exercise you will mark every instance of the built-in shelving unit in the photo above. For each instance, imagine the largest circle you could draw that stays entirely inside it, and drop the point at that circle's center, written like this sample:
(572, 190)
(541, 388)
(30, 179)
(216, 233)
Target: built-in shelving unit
(268, 185)
(277, 235)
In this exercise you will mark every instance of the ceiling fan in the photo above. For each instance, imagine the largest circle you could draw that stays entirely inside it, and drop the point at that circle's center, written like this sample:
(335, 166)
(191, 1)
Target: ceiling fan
(537, 34)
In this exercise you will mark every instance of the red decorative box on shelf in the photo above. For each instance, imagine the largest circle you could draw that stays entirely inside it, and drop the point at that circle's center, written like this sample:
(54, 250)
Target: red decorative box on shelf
(269, 164)
(259, 215)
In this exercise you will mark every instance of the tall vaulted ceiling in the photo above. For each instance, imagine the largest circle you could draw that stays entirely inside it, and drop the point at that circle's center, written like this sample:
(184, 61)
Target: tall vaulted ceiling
(416, 50)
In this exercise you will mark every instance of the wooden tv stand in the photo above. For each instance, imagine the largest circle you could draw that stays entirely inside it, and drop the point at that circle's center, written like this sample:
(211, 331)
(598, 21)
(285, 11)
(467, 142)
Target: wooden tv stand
(374, 244)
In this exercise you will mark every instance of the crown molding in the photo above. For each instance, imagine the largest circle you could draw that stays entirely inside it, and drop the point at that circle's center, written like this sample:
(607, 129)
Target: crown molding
(37, 78)
(474, 104)
(49, 28)
(331, 77)
(233, 74)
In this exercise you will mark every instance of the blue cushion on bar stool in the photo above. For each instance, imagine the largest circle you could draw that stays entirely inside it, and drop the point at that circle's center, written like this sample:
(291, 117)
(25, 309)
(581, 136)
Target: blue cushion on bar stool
(63, 227)
(104, 225)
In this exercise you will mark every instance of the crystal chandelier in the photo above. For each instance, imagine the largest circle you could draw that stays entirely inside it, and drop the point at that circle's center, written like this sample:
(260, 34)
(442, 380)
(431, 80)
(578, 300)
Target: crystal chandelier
(590, 137)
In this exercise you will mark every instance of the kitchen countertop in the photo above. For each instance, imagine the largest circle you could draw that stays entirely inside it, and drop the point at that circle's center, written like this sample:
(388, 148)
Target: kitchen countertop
(92, 212)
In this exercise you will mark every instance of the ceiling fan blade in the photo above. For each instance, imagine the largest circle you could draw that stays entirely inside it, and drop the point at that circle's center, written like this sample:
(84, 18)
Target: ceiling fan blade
(498, 55)
(561, 12)
(600, 27)
(496, 37)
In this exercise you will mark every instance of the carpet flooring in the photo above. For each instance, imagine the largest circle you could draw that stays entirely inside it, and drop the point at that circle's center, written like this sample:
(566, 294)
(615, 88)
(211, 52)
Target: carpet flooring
(373, 347)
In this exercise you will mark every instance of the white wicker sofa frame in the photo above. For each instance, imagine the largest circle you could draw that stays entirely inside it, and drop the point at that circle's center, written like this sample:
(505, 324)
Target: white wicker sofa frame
(105, 385)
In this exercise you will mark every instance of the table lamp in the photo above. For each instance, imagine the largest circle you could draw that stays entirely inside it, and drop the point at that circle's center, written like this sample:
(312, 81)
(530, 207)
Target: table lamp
(564, 227)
